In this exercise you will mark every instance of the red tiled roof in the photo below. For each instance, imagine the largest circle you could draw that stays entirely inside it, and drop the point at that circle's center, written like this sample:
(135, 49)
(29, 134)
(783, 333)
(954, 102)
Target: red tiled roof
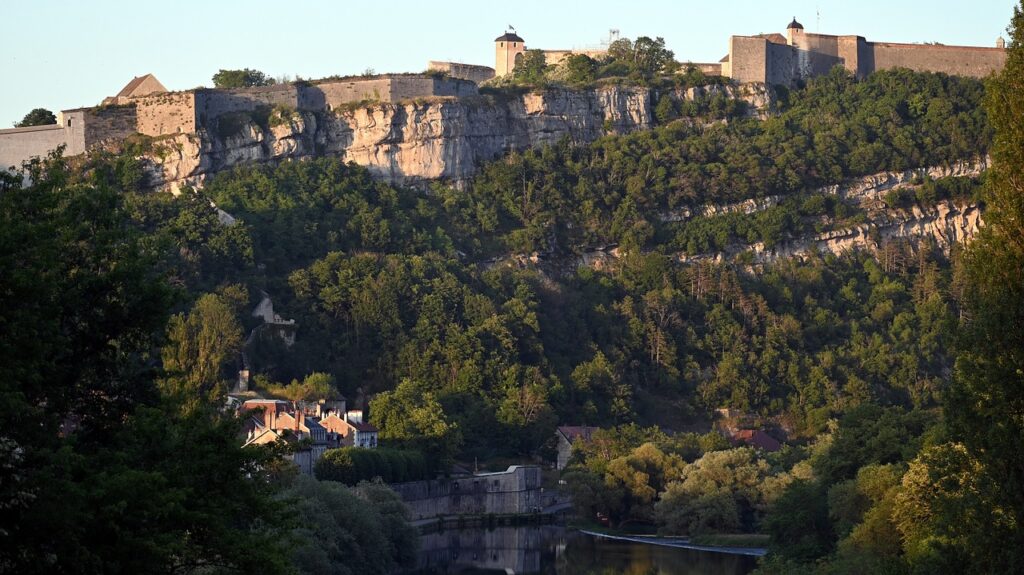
(757, 438)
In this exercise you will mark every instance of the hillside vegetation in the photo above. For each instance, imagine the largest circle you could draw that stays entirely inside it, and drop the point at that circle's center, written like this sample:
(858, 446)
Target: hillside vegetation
(125, 313)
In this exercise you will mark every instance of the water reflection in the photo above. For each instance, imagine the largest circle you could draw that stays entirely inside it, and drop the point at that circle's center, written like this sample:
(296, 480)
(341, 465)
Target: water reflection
(552, 549)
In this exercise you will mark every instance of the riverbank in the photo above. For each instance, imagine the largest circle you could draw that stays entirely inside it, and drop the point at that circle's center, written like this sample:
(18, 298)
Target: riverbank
(680, 543)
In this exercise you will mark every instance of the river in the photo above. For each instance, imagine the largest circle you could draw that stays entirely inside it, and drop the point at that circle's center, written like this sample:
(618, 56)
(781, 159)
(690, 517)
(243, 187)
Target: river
(553, 549)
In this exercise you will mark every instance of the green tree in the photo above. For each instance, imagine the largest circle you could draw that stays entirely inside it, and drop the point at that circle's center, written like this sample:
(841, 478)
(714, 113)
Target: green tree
(412, 417)
(530, 68)
(347, 531)
(90, 450)
(580, 69)
(985, 402)
(198, 346)
(37, 117)
(244, 78)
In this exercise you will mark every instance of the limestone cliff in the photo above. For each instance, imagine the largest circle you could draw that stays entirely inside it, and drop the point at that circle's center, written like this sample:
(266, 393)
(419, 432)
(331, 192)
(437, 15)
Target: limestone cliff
(947, 223)
(412, 142)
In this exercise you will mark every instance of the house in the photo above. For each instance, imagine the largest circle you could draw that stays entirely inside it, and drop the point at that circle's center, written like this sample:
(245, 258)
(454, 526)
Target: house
(757, 439)
(284, 421)
(352, 430)
(567, 435)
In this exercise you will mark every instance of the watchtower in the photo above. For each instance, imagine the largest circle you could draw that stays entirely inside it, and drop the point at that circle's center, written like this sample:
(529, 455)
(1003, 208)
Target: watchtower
(795, 28)
(506, 48)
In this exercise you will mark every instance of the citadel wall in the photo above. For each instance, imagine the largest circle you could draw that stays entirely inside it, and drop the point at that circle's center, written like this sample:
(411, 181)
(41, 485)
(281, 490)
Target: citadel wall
(20, 144)
(105, 124)
(958, 60)
(163, 114)
(748, 59)
(478, 74)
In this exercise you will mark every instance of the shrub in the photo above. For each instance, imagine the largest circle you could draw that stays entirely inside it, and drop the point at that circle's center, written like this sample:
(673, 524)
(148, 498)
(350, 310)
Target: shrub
(350, 465)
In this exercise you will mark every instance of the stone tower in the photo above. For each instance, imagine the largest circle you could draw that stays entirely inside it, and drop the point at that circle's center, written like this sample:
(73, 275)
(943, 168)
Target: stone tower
(793, 30)
(1000, 42)
(506, 49)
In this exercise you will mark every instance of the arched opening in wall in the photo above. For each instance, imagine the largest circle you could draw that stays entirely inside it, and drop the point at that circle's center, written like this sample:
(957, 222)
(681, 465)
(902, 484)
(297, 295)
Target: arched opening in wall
(519, 58)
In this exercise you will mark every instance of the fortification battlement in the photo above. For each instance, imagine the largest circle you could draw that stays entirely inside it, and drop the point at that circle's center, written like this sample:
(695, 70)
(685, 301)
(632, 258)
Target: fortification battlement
(800, 55)
(165, 113)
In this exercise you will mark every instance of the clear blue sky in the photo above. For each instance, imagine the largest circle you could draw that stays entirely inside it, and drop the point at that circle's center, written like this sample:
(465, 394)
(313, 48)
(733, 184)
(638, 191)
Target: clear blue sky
(61, 54)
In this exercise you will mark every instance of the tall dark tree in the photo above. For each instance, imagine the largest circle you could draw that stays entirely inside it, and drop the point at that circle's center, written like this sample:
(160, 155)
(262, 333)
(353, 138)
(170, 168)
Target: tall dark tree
(98, 473)
(986, 405)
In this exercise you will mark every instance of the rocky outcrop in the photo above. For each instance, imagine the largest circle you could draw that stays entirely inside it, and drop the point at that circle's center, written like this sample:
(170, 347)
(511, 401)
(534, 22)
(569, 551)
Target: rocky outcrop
(417, 141)
(946, 224)
(866, 192)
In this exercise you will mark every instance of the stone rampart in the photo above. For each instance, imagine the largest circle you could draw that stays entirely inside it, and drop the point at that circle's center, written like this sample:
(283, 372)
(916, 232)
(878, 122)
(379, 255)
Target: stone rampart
(163, 114)
(469, 72)
(516, 490)
(20, 144)
(747, 59)
(109, 123)
(958, 60)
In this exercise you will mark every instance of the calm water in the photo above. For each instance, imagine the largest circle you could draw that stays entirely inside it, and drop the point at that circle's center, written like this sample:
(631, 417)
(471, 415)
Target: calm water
(551, 549)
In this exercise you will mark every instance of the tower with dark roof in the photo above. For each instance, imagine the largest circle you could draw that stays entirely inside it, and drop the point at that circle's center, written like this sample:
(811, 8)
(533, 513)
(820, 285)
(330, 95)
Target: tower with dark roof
(506, 48)
(794, 29)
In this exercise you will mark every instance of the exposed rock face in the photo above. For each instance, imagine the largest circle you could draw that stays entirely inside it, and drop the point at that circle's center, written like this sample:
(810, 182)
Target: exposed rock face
(866, 192)
(409, 143)
(947, 223)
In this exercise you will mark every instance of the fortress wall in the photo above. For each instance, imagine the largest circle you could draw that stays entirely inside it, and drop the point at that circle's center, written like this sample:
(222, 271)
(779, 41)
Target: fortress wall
(748, 59)
(20, 144)
(709, 69)
(958, 60)
(852, 53)
(211, 104)
(469, 72)
(109, 123)
(817, 54)
(448, 87)
(169, 113)
(553, 57)
(340, 93)
(781, 63)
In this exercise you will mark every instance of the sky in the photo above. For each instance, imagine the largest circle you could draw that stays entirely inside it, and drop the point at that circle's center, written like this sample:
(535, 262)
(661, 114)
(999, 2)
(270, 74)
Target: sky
(63, 54)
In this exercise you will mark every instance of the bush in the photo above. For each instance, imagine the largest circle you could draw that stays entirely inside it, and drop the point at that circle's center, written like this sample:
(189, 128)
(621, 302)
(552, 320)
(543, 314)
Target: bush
(350, 465)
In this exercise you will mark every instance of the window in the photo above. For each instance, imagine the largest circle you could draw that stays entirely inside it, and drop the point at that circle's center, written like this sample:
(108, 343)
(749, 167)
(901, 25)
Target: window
(514, 44)
(69, 122)
(502, 44)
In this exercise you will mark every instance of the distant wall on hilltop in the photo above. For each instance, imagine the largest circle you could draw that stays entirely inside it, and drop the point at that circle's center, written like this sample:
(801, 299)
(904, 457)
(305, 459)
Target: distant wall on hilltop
(958, 60)
(806, 55)
(469, 72)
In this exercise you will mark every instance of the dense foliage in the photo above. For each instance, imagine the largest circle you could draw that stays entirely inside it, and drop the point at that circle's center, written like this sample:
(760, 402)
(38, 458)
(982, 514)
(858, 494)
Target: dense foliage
(37, 117)
(244, 78)
(619, 189)
(350, 465)
(125, 314)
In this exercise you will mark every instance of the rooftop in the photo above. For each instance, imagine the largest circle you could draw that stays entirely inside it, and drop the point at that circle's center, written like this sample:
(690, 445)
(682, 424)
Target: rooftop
(509, 37)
